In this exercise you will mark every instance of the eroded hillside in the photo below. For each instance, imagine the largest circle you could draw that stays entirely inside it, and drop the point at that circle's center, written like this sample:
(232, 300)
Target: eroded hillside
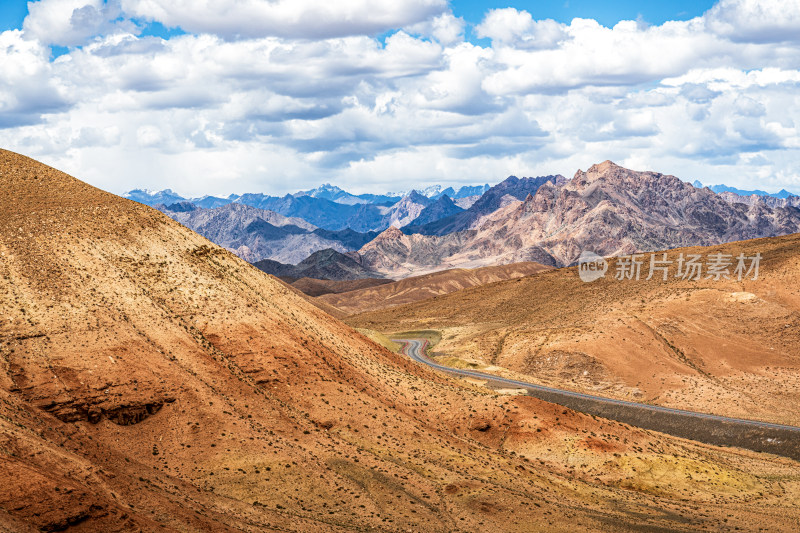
(151, 380)
(723, 346)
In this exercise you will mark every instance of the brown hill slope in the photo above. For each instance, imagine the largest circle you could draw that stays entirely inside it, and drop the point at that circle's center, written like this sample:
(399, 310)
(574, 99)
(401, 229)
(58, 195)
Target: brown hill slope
(318, 287)
(725, 346)
(417, 288)
(151, 380)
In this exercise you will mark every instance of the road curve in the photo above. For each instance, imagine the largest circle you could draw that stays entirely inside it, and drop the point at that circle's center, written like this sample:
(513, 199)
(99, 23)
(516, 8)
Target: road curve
(755, 435)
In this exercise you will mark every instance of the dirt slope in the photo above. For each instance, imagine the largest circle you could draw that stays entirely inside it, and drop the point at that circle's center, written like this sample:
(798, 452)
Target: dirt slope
(318, 287)
(152, 381)
(725, 346)
(418, 288)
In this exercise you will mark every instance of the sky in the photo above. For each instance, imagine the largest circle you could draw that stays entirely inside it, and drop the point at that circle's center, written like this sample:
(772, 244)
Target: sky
(384, 95)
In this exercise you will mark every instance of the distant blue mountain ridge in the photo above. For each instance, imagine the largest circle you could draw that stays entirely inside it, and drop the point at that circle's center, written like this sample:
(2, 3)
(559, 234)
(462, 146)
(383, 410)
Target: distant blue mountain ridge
(782, 194)
(326, 191)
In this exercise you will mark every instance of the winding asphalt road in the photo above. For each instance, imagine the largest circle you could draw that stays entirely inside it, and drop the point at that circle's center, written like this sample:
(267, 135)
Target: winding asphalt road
(415, 349)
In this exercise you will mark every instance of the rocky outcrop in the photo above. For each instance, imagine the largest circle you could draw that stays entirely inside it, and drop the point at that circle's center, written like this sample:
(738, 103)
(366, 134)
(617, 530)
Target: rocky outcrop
(394, 251)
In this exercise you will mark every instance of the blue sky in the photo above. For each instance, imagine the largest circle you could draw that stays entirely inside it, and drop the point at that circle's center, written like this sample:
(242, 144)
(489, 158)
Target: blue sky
(12, 12)
(373, 95)
(606, 13)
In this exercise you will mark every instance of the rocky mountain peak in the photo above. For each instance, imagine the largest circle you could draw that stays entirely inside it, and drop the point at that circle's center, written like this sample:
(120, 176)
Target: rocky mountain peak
(390, 233)
(610, 175)
(605, 166)
(322, 255)
(443, 201)
(599, 171)
(417, 198)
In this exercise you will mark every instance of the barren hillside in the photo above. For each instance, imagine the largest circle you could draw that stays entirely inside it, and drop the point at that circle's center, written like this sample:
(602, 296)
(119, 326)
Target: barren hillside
(418, 288)
(729, 347)
(318, 287)
(151, 380)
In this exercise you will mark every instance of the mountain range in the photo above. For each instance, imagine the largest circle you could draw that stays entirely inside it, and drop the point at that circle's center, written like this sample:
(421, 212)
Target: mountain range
(255, 234)
(508, 190)
(323, 192)
(548, 219)
(288, 229)
(338, 195)
(607, 209)
(719, 189)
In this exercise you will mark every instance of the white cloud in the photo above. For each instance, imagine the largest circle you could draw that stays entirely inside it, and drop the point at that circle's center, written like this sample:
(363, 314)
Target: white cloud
(148, 136)
(445, 28)
(510, 27)
(624, 55)
(96, 137)
(242, 106)
(730, 78)
(458, 86)
(306, 19)
(27, 86)
(757, 21)
(73, 22)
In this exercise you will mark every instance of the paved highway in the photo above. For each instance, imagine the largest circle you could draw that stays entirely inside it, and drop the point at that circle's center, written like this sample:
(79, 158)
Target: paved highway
(415, 349)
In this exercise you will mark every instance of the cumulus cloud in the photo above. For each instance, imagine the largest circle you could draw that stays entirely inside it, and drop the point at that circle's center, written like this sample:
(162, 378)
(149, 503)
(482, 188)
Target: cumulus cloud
(27, 87)
(305, 19)
(624, 55)
(445, 28)
(511, 27)
(757, 21)
(275, 96)
(73, 22)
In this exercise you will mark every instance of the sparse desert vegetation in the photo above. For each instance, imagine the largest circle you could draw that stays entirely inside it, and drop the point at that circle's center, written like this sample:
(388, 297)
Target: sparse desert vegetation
(153, 380)
(727, 347)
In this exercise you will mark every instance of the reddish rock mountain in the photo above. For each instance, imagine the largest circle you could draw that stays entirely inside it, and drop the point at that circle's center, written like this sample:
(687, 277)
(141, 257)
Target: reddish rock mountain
(607, 209)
